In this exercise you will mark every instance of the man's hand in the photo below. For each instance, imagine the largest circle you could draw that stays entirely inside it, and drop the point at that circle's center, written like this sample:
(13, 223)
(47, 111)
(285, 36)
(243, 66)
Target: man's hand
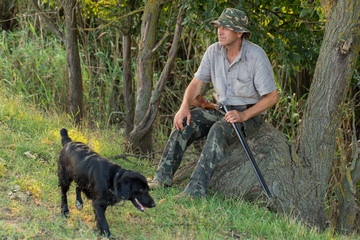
(192, 91)
(184, 112)
(234, 116)
(268, 100)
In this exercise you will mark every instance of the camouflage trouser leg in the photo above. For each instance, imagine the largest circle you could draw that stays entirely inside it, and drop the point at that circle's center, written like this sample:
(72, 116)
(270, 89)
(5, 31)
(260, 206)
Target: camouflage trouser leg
(201, 121)
(220, 136)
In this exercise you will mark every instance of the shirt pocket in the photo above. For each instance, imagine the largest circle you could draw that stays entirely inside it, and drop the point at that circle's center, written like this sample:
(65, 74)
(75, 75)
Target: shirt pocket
(242, 86)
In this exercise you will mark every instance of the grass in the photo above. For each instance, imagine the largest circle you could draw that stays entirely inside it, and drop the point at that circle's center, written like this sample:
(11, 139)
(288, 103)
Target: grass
(30, 144)
(33, 68)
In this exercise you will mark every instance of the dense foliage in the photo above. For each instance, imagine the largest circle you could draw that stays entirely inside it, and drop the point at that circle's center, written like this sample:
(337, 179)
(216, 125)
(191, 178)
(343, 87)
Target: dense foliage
(290, 32)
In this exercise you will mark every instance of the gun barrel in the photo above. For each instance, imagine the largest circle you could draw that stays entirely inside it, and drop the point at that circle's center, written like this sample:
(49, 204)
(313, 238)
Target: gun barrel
(249, 155)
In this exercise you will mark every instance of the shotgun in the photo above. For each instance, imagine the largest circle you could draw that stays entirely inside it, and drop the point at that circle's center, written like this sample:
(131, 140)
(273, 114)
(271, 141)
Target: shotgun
(202, 102)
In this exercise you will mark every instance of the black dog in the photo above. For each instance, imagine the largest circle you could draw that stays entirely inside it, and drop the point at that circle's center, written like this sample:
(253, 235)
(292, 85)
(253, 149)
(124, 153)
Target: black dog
(102, 181)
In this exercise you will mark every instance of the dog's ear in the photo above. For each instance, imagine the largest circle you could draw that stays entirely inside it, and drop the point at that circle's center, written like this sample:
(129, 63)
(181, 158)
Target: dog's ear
(125, 190)
(122, 188)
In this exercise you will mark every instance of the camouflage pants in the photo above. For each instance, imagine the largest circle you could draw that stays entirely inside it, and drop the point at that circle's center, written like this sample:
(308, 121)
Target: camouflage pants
(219, 133)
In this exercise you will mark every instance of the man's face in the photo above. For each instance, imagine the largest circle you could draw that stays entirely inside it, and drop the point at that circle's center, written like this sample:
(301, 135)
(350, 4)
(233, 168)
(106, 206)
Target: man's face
(228, 37)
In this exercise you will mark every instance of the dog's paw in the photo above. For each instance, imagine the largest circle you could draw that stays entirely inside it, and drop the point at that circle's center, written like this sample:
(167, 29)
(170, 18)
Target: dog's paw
(79, 205)
(106, 235)
(65, 212)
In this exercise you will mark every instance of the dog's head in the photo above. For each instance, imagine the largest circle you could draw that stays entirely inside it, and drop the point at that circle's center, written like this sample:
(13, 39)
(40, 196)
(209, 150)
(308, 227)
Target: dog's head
(133, 186)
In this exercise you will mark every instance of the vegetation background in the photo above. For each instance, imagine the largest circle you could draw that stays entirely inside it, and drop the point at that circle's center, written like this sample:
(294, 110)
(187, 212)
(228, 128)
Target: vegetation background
(34, 85)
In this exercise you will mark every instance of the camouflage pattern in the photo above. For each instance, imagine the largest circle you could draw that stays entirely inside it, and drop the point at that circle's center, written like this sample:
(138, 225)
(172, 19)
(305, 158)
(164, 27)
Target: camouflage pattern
(219, 133)
(235, 20)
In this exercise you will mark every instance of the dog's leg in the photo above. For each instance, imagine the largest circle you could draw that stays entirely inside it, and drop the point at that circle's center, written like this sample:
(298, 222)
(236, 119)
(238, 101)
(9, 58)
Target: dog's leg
(100, 219)
(64, 183)
(79, 201)
(64, 204)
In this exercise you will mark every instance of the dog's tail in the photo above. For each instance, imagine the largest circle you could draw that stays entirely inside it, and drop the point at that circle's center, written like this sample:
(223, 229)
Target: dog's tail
(64, 136)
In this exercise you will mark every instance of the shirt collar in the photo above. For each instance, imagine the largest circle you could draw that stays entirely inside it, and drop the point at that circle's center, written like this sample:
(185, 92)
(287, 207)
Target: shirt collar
(241, 55)
(244, 44)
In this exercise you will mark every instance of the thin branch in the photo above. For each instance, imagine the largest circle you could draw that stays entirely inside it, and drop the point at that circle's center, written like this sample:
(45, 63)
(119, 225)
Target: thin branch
(47, 20)
(105, 24)
(124, 156)
(160, 42)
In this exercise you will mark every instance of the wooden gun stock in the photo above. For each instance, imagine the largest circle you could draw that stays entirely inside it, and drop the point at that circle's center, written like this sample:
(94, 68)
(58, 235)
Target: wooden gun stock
(200, 101)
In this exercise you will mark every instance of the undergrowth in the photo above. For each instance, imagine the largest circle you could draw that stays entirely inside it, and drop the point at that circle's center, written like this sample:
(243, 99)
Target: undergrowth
(30, 198)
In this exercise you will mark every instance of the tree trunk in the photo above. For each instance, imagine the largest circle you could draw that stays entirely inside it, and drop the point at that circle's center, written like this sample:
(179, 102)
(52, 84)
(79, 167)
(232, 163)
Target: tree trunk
(145, 70)
(116, 97)
(73, 62)
(302, 82)
(298, 176)
(288, 181)
(234, 176)
(128, 85)
(144, 127)
(128, 91)
(334, 70)
(346, 221)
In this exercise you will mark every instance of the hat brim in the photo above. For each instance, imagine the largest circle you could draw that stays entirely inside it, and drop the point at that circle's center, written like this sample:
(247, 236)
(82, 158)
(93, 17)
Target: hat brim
(237, 29)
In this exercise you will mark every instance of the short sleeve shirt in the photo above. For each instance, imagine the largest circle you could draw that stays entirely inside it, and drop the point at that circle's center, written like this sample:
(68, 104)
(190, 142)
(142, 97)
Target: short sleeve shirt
(245, 81)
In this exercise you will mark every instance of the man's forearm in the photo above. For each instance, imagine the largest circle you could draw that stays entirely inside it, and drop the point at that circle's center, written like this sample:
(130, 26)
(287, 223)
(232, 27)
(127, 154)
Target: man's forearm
(192, 91)
(265, 103)
(268, 101)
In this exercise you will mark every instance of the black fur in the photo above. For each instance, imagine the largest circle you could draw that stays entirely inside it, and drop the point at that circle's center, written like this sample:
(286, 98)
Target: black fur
(102, 181)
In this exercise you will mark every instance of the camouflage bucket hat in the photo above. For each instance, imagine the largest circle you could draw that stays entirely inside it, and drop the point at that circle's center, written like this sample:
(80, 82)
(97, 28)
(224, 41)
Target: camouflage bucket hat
(235, 20)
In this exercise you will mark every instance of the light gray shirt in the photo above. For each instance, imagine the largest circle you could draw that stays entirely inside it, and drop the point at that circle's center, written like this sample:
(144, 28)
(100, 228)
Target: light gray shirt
(245, 81)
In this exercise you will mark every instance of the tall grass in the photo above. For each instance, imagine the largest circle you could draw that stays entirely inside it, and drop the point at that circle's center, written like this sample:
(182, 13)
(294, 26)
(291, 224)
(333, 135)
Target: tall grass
(34, 70)
(286, 114)
(24, 129)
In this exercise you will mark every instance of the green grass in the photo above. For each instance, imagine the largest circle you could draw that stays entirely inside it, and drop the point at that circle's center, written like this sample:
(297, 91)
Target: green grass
(25, 129)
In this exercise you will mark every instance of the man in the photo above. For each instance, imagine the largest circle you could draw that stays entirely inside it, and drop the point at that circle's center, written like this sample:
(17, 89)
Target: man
(242, 77)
